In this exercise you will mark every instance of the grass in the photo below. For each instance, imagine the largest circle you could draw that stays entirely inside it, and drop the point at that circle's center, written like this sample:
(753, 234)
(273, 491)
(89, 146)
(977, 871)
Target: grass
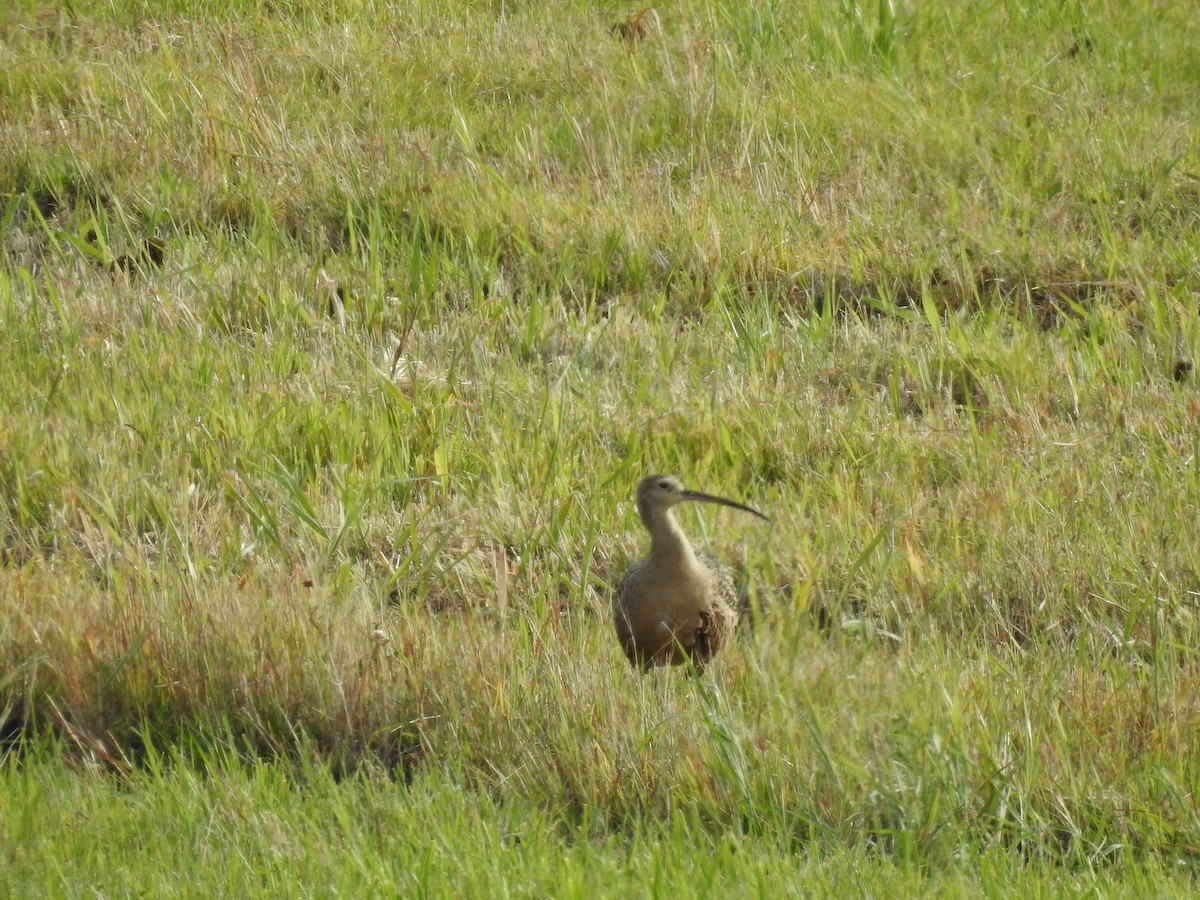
(338, 334)
(260, 830)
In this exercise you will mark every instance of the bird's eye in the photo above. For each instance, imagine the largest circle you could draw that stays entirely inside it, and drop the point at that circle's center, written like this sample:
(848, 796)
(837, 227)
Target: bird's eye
(665, 485)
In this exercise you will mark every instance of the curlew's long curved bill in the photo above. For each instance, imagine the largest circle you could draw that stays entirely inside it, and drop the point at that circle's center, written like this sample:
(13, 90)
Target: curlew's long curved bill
(709, 498)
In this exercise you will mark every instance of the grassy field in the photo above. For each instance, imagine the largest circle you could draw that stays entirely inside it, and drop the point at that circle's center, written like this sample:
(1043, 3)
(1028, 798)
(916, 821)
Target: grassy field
(336, 336)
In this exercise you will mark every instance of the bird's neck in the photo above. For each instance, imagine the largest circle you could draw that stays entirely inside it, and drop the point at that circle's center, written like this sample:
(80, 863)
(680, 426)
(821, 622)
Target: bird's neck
(669, 546)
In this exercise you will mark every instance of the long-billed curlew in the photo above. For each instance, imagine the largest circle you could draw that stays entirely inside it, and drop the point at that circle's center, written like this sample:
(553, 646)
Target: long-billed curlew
(674, 605)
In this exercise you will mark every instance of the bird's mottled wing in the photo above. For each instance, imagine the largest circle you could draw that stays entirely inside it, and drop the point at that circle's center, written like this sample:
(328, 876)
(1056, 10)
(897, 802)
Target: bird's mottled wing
(724, 579)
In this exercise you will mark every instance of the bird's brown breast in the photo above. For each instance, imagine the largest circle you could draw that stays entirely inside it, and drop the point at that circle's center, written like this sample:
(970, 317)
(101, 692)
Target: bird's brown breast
(666, 617)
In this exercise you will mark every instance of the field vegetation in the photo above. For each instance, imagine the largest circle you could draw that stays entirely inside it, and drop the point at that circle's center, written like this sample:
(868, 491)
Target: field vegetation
(337, 333)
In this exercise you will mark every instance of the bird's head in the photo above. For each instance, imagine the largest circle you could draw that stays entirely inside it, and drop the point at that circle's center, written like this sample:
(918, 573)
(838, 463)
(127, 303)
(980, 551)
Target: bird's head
(661, 492)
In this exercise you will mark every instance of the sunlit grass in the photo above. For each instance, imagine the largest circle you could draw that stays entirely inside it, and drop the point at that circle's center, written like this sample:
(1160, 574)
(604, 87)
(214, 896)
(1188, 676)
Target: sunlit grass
(338, 487)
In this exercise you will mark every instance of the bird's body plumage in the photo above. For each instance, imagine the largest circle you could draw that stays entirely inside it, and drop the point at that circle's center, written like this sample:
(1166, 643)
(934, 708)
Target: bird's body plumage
(674, 605)
(666, 615)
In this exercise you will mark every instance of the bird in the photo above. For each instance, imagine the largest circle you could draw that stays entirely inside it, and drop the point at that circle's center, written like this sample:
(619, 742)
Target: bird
(674, 606)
